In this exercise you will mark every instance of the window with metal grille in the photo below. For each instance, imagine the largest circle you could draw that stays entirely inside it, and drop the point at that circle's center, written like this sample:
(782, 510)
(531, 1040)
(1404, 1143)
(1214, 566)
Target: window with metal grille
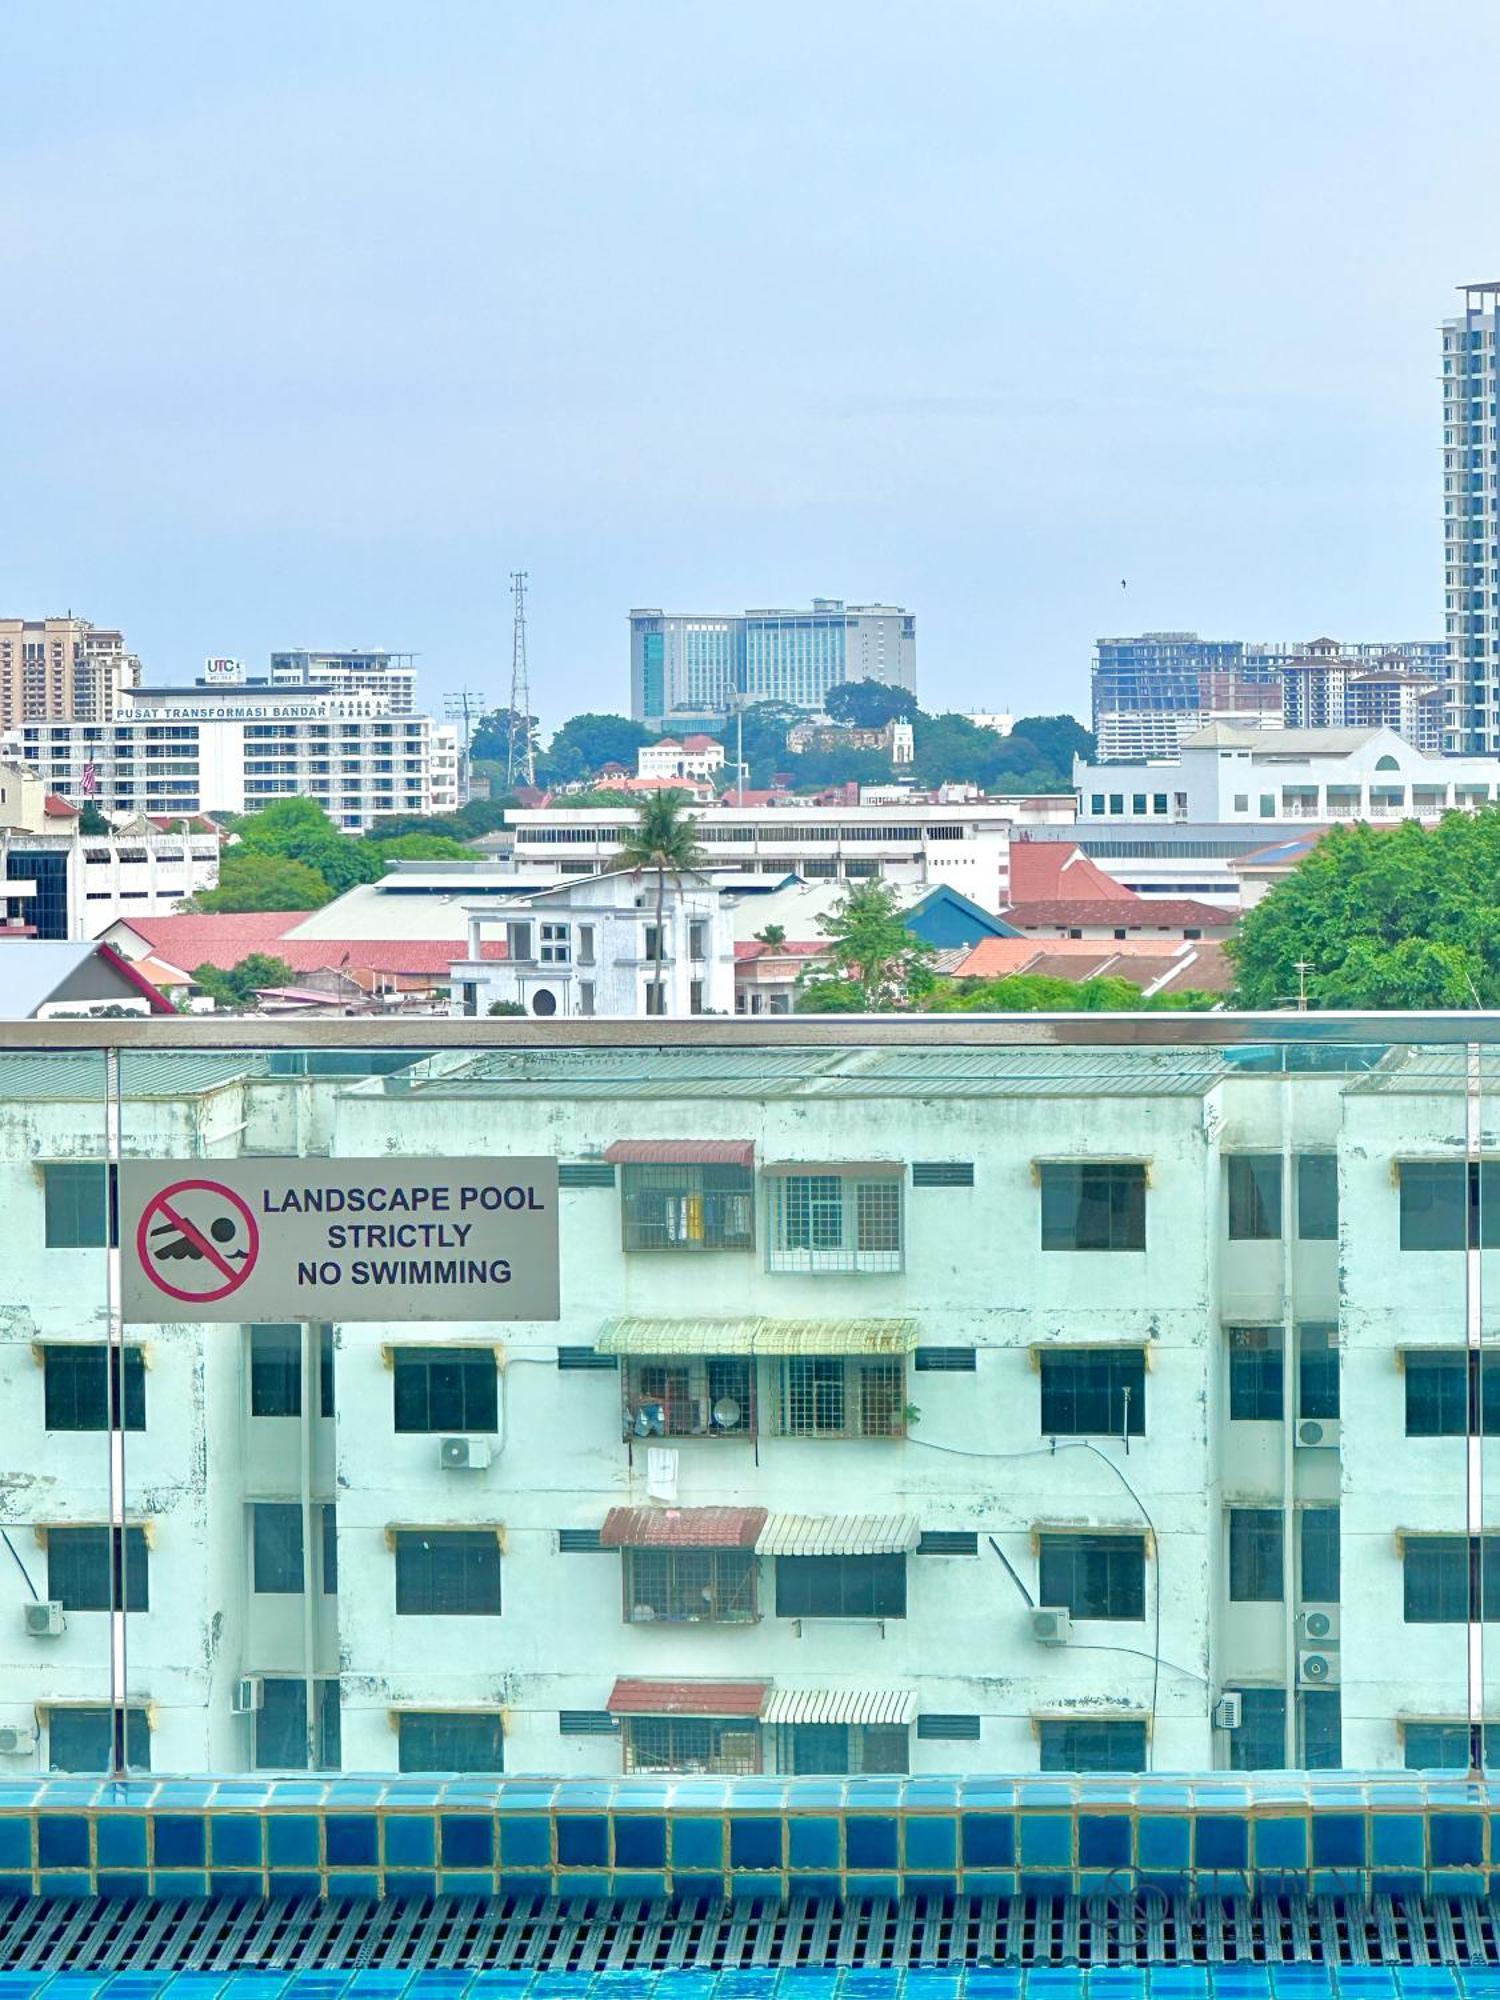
(446, 1389)
(448, 1573)
(948, 1542)
(76, 1387)
(942, 1173)
(585, 1357)
(1317, 1371)
(1094, 1576)
(1318, 1554)
(842, 1748)
(438, 1742)
(1093, 1744)
(275, 1371)
(694, 1744)
(1317, 1197)
(1450, 1204)
(82, 1739)
(1447, 1579)
(690, 1586)
(1255, 1564)
(78, 1568)
(1259, 1744)
(699, 1396)
(841, 1586)
(276, 1544)
(281, 1725)
(688, 1208)
(1093, 1205)
(1098, 1392)
(1452, 1392)
(585, 1174)
(838, 1396)
(945, 1360)
(1255, 1374)
(80, 1205)
(581, 1542)
(940, 1728)
(586, 1722)
(833, 1222)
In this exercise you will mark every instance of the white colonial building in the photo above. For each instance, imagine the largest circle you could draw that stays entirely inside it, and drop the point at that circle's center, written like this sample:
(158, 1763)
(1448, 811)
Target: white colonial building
(699, 757)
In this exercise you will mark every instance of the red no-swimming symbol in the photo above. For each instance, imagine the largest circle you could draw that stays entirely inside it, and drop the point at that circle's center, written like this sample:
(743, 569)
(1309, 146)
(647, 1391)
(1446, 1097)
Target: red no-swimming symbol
(197, 1240)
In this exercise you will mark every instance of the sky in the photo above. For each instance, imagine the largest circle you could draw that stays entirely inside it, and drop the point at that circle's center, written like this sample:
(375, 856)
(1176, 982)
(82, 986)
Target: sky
(1043, 320)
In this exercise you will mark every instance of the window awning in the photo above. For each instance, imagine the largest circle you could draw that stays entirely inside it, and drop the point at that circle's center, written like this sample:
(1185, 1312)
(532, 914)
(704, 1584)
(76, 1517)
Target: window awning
(865, 1170)
(681, 1152)
(856, 1705)
(723, 1698)
(757, 1336)
(838, 1535)
(682, 1527)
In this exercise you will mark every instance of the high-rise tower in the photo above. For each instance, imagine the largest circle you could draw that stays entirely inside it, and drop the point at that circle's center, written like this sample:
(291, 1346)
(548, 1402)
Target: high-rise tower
(1471, 524)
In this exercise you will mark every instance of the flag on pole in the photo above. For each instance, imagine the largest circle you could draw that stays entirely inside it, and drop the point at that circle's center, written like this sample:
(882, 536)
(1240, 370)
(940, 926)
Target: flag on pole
(90, 780)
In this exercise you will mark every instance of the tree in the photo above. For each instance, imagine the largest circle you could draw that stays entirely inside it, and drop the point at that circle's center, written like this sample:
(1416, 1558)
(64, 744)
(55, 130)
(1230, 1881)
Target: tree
(871, 950)
(421, 847)
(773, 934)
(298, 829)
(491, 737)
(1404, 917)
(252, 880)
(238, 986)
(869, 704)
(91, 820)
(586, 743)
(662, 842)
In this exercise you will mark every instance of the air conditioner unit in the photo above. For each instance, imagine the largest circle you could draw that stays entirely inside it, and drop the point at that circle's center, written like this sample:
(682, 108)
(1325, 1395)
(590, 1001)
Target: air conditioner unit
(45, 1621)
(249, 1695)
(1320, 1431)
(1051, 1625)
(463, 1454)
(1229, 1711)
(15, 1741)
(1319, 1624)
(1316, 1669)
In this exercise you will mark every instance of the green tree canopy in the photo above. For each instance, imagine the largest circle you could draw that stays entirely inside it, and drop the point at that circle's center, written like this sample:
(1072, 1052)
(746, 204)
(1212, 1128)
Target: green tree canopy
(1405, 917)
(296, 829)
(586, 743)
(422, 847)
(871, 951)
(491, 735)
(869, 704)
(252, 880)
(238, 986)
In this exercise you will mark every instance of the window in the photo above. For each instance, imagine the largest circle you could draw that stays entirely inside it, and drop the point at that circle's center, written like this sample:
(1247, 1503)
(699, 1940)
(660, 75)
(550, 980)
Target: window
(81, 1739)
(1449, 1204)
(1093, 1205)
(690, 1397)
(586, 1722)
(586, 998)
(329, 1527)
(585, 1174)
(1259, 1744)
(281, 1725)
(944, 1728)
(446, 1389)
(690, 1586)
(691, 1743)
(942, 1173)
(1444, 1746)
(1321, 1728)
(439, 1742)
(945, 1360)
(833, 1396)
(1452, 1393)
(1445, 1574)
(1254, 1197)
(78, 1566)
(448, 1573)
(1317, 1197)
(585, 944)
(841, 1586)
(275, 1371)
(1093, 1745)
(81, 1211)
(1319, 1538)
(1097, 1392)
(581, 1542)
(854, 1749)
(832, 1222)
(585, 1358)
(688, 1208)
(76, 1394)
(1255, 1565)
(555, 945)
(948, 1542)
(326, 1372)
(697, 939)
(276, 1535)
(695, 996)
(1094, 1576)
(1255, 1374)
(1317, 1371)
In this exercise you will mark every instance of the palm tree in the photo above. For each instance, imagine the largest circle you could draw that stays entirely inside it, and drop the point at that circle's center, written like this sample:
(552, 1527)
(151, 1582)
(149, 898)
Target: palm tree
(662, 842)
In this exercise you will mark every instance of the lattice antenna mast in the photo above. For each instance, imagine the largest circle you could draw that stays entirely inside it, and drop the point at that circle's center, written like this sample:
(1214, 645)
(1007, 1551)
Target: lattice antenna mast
(520, 751)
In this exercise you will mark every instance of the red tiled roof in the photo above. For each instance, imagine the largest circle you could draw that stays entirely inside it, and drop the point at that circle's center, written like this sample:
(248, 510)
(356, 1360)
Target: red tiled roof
(1137, 913)
(197, 822)
(223, 940)
(701, 743)
(788, 948)
(56, 808)
(682, 1527)
(694, 1152)
(634, 1697)
(1069, 958)
(1040, 869)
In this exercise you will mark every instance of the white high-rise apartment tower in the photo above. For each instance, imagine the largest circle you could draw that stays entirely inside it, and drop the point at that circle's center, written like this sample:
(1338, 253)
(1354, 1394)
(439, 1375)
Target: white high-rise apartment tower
(1471, 523)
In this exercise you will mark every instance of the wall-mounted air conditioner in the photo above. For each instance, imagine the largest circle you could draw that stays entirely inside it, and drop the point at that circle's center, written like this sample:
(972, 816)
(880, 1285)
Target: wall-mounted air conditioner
(1051, 1625)
(45, 1620)
(463, 1454)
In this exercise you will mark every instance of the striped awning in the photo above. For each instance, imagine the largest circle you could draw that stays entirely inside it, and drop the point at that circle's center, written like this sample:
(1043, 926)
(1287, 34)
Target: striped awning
(723, 1698)
(681, 1152)
(838, 1535)
(682, 1527)
(757, 1335)
(889, 1705)
(865, 1169)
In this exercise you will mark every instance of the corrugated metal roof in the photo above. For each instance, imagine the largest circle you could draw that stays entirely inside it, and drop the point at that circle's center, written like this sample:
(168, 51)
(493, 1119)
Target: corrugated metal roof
(678, 1152)
(838, 1535)
(637, 1697)
(860, 1705)
(77, 1075)
(757, 1336)
(682, 1527)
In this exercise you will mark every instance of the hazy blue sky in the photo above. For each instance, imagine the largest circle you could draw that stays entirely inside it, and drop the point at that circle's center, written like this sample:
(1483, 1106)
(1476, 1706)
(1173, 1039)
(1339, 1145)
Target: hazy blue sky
(321, 317)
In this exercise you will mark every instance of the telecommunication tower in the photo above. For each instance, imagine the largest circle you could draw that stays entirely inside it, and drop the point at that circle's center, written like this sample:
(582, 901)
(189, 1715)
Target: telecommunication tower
(520, 752)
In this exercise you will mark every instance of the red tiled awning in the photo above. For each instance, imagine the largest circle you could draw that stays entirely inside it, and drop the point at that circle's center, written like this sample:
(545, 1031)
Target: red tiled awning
(629, 1697)
(682, 1152)
(682, 1527)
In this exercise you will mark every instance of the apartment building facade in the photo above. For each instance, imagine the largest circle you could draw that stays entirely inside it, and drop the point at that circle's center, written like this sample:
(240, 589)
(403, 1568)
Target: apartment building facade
(64, 668)
(924, 1403)
(1471, 521)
